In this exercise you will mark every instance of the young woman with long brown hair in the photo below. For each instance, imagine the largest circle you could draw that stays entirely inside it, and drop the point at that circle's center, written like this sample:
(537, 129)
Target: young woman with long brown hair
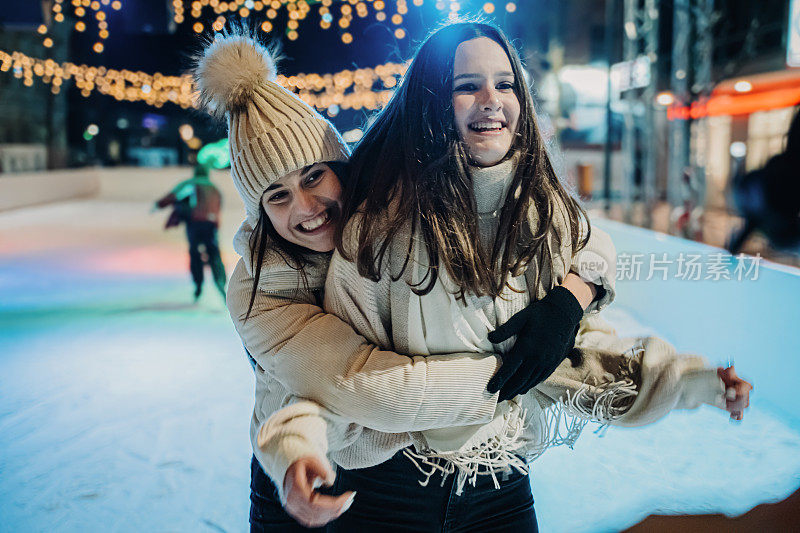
(459, 235)
(287, 164)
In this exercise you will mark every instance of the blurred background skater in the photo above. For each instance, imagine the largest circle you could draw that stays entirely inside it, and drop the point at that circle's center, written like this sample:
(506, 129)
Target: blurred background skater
(196, 202)
(686, 219)
(768, 198)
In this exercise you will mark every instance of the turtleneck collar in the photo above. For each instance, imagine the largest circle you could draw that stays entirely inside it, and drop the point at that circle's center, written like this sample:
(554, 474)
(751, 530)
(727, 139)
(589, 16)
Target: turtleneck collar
(490, 185)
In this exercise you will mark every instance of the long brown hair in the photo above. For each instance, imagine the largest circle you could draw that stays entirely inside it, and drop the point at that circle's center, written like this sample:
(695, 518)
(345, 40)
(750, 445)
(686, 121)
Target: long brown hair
(411, 158)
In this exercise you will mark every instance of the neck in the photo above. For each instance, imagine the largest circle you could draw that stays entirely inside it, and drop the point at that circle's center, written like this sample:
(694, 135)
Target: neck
(490, 185)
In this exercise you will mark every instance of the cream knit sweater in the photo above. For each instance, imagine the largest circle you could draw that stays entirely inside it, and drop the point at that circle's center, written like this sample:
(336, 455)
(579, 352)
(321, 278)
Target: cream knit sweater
(300, 349)
(623, 381)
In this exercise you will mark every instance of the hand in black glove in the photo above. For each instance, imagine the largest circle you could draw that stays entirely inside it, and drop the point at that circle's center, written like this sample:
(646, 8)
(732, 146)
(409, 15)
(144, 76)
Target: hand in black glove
(545, 332)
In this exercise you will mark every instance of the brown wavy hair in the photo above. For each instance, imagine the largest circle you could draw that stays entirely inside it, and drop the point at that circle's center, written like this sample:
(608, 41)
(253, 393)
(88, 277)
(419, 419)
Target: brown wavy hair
(411, 158)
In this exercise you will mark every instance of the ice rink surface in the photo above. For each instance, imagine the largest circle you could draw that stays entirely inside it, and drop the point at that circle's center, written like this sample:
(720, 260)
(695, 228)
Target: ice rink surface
(125, 407)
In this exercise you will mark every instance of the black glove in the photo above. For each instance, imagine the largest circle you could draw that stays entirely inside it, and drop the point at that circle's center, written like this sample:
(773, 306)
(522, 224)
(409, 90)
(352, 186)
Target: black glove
(545, 332)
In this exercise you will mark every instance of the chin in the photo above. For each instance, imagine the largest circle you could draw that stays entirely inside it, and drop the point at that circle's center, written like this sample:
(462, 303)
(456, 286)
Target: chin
(322, 245)
(488, 159)
(488, 156)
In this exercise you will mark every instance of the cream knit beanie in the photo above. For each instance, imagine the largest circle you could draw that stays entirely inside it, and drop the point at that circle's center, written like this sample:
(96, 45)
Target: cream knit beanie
(271, 131)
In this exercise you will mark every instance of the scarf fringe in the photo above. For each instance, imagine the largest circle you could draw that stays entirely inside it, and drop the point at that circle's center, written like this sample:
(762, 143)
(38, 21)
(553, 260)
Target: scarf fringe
(497, 455)
(614, 400)
(561, 424)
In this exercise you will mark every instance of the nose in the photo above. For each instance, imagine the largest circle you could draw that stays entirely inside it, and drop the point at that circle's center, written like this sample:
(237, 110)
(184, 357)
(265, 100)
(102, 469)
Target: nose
(305, 204)
(490, 99)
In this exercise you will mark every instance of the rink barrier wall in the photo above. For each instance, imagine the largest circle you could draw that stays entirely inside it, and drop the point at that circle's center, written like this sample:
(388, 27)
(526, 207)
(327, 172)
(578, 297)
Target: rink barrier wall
(755, 323)
(124, 184)
(147, 183)
(33, 188)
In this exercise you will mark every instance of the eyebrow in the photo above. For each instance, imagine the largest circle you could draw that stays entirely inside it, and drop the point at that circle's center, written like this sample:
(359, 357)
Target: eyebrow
(471, 75)
(303, 174)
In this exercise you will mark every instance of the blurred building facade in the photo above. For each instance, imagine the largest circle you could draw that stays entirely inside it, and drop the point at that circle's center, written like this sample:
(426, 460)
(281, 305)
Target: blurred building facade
(719, 97)
(33, 121)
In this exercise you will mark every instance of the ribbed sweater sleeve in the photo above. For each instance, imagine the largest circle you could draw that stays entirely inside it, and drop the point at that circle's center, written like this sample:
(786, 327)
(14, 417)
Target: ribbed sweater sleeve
(304, 428)
(594, 263)
(449, 390)
(316, 355)
(597, 262)
(301, 429)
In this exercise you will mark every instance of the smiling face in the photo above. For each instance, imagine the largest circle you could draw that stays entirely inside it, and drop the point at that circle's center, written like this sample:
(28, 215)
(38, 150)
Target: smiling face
(485, 107)
(304, 206)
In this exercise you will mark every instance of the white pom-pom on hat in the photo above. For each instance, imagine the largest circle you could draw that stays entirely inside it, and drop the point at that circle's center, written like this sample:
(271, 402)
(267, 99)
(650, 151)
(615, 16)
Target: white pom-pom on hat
(229, 72)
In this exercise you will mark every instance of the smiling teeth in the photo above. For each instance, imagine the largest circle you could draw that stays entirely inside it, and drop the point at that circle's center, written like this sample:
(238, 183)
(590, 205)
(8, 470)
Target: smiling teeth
(486, 125)
(314, 223)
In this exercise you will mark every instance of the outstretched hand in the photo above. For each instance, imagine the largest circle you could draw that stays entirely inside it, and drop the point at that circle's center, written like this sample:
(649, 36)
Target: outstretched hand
(737, 392)
(303, 502)
(546, 331)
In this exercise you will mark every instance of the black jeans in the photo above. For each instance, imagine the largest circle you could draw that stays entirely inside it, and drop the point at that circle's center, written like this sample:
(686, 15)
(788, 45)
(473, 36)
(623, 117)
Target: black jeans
(390, 499)
(204, 234)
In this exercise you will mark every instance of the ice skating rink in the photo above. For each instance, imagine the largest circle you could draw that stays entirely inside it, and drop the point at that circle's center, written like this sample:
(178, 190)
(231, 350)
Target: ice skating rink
(125, 407)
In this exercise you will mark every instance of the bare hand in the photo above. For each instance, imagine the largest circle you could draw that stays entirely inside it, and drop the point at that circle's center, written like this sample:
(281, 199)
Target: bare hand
(737, 397)
(303, 502)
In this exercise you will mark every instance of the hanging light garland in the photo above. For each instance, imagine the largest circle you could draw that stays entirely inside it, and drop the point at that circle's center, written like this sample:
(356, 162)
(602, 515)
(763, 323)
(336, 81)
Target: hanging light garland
(79, 11)
(339, 16)
(367, 88)
(296, 11)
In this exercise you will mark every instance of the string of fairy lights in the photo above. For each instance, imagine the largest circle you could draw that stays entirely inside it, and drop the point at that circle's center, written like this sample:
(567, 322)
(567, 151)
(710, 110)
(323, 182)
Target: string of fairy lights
(297, 10)
(340, 16)
(85, 13)
(95, 12)
(367, 88)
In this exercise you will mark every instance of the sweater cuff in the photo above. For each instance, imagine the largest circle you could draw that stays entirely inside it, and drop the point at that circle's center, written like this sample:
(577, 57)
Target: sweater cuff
(605, 295)
(702, 386)
(277, 455)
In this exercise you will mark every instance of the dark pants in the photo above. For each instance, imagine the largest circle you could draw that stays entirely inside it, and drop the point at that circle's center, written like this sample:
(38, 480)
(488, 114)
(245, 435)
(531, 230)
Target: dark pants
(266, 512)
(204, 233)
(390, 499)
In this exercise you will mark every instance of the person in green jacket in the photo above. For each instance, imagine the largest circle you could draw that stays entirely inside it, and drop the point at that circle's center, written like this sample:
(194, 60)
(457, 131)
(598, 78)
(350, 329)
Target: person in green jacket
(196, 202)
